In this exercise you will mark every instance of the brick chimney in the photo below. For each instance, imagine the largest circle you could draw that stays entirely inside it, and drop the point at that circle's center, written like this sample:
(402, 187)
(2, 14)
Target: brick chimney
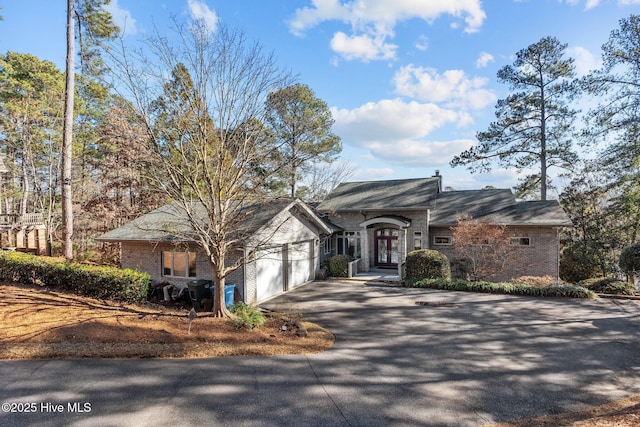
(437, 175)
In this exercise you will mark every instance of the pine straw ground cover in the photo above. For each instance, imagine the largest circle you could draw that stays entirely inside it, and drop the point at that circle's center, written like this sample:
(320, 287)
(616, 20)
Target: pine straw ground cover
(42, 323)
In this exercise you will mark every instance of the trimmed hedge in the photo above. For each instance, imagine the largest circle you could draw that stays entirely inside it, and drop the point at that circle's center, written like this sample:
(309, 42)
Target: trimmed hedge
(89, 280)
(609, 285)
(502, 288)
(339, 265)
(427, 264)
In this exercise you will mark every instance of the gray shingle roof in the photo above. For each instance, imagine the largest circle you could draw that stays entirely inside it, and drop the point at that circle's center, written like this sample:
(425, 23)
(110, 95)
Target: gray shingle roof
(400, 196)
(169, 224)
(498, 205)
(393, 195)
(477, 203)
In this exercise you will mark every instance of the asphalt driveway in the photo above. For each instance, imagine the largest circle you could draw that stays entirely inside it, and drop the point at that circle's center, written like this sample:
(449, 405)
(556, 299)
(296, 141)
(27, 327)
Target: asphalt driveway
(402, 357)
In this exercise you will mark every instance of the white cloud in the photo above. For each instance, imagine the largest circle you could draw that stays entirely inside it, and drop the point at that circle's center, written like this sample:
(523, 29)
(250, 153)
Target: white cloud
(371, 173)
(422, 43)
(484, 59)
(453, 87)
(585, 61)
(591, 4)
(200, 11)
(397, 131)
(412, 153)
(372, 22)
(363, 47)
(122, 18)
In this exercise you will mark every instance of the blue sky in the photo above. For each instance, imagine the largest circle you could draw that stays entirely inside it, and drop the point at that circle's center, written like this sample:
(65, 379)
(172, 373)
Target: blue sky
(409, 82)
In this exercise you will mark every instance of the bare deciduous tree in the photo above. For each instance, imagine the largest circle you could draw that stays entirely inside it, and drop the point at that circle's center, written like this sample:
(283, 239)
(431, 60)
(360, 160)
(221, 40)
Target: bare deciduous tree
(203, 105)
(483, 246)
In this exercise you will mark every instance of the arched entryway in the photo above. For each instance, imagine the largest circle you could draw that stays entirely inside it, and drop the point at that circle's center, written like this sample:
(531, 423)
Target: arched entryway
(386, 247)
(384, 241)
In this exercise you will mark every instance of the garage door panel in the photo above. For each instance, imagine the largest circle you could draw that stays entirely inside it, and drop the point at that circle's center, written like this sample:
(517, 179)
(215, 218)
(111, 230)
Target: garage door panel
(300, 256)
(269, 273)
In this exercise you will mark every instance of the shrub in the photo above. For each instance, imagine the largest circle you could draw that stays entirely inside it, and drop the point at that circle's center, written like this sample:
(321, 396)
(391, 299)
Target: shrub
(503, 288)
(339, 265)
(427, 264)
(246, 316)
(609, 285)
(630, 259)
(537, 281)
(462, 268)
(575, 265)
(89, 280)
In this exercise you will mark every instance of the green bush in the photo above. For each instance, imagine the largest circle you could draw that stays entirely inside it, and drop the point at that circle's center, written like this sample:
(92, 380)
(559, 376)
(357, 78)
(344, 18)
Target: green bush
(503, 288)
(609, 285)
(630, 259)
(246, 316)
(84, 279)
(576, 265)
(339, 265)
(538, 281)
(427, 264)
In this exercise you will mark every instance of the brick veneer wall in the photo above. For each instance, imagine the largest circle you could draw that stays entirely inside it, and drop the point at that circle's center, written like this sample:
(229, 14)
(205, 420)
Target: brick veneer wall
(350, 221)
(147, 257)
(540, 258)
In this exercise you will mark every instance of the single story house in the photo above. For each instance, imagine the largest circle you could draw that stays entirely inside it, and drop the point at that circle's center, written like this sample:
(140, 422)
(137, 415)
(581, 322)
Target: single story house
(381, 221)
(285, 241)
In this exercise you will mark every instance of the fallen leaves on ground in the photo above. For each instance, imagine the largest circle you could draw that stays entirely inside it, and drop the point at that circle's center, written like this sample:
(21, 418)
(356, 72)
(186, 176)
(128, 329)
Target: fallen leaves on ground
(42, 323)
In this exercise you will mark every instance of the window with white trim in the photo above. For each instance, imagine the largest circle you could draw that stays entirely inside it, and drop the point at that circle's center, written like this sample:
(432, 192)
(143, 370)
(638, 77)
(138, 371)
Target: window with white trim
(349, 243)
(327, 245)
(178, 264)
(417, 240)
(442, 240)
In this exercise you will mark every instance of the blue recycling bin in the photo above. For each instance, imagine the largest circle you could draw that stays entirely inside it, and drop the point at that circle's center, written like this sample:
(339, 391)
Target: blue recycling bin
(229, 291)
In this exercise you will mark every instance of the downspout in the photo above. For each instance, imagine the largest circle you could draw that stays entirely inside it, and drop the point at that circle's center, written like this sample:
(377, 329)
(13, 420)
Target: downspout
(244, 274)
(428, 241)
(558, 254)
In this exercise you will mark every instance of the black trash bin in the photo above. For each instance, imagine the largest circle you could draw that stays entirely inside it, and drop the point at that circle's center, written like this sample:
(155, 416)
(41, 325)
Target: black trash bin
(199, 289)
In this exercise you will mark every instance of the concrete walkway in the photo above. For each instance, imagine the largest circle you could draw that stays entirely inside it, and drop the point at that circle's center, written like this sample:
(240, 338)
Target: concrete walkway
(403, 357)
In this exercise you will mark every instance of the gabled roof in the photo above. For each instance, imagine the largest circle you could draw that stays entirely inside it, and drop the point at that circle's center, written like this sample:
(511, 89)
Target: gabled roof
(477, 203)
(498, 205)
(169, 223)
(398, 196)
(393, 195)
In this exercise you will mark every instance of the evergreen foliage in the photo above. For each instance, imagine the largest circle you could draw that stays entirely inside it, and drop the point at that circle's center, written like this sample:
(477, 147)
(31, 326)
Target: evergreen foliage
(534, 123)
(609, 285)
(503, 288)
(339, 265)
(427, 264)
(630, 259)
(85, 279)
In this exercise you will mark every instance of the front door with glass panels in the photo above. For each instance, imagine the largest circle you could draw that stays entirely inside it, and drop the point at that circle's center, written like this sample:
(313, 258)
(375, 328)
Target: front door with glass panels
(386, 241)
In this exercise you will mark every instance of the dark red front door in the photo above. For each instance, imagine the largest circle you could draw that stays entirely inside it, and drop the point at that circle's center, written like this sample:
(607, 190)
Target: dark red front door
(386, 245)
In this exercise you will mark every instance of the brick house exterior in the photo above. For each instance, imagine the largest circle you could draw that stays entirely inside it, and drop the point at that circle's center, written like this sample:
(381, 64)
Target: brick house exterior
(280, 249)
(377, 222)
(383, 220)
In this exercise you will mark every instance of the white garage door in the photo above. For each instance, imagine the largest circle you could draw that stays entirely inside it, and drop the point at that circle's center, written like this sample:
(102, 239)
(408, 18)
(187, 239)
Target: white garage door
(270, 278)
(301, 261)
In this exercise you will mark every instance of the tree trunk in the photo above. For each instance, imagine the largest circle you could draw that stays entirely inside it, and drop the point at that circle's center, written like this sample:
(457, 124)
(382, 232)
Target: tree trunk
(543, 143)
(219, 306)
(67, 138)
